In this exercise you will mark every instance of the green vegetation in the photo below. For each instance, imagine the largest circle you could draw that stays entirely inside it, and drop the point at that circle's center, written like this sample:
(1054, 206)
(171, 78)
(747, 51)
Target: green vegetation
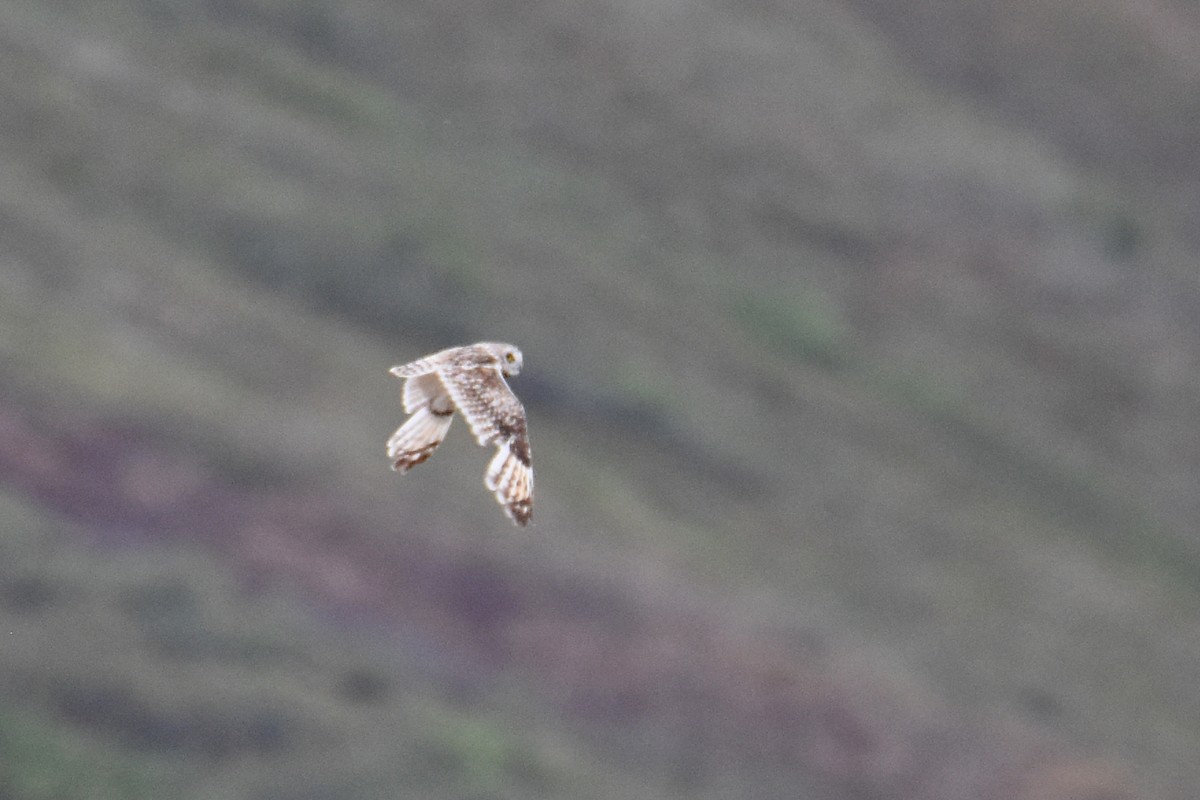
(797, 326)
(42, 763)
(484, 757)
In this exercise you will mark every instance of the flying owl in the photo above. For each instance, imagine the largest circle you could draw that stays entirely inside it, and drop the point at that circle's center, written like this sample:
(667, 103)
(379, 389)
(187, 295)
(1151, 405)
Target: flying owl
(469, 379)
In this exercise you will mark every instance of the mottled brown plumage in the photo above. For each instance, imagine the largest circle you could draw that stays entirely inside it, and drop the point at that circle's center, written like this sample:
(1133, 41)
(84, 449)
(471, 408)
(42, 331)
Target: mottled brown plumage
(469, 379)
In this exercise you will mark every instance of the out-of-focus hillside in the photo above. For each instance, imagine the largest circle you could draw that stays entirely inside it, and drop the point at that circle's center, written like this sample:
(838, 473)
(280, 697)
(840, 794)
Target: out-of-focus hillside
(861, 357)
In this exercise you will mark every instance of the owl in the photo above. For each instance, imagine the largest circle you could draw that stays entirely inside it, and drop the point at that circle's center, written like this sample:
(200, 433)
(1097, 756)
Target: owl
(470, 380)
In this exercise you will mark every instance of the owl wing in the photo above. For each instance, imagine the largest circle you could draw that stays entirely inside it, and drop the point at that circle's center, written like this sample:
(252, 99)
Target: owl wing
(496, 416)
(486, 402)
(428, 364)
(509, 478)
(426, 399)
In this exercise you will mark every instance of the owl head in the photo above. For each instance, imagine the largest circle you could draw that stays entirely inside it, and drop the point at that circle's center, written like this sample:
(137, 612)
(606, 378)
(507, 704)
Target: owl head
(510, 357)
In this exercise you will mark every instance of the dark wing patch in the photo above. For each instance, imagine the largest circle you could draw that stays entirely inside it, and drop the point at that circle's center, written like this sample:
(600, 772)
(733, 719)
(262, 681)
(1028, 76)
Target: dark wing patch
(519, 445)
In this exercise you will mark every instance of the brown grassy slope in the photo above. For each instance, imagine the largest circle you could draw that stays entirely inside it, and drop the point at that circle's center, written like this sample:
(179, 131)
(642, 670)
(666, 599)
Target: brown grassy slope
(1113, 86)
(950, 370)
(188, 669)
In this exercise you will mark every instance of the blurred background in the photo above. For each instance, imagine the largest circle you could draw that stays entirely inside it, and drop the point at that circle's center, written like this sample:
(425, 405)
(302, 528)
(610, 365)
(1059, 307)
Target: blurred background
(861, 343)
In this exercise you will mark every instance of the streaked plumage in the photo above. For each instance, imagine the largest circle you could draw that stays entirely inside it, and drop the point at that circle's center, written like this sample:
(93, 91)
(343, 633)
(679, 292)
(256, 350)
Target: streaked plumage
(469, 379)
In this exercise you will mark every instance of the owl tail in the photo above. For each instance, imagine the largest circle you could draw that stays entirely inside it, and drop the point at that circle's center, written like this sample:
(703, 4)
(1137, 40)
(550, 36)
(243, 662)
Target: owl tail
(511, 480)
(416, 439)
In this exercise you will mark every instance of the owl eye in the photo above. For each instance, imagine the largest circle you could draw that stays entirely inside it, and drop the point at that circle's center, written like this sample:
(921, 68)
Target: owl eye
(509, 357)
